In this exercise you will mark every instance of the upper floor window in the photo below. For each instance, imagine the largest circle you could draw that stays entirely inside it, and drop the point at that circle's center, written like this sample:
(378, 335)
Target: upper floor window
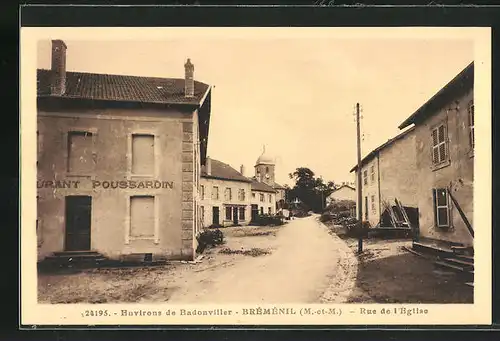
(439, 144)
(80, 152)
(262, 197)
(374, 209)
(372, 173)
(228, 194)
(241, 195)
(470, 112)
(143, 157)
(202, 192)
(269, 197)
(215, 193)
(365, 177)
(253, 195)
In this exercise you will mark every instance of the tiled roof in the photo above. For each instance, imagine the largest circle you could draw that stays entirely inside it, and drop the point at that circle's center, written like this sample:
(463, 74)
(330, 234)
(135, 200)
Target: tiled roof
(223, 171)
(260, 186)
(374, 152)
(278, 186)
(94, 86)
(348, 186)
(463, 81)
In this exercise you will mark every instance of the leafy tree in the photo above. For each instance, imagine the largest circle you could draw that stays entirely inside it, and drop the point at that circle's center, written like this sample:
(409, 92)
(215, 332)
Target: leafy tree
(309, 189)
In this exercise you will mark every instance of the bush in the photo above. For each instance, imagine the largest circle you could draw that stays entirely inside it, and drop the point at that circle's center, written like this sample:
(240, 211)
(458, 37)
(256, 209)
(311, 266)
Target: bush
(209, 238)
(358, 230)
(301, 214)
(266, 219)
(325, 217)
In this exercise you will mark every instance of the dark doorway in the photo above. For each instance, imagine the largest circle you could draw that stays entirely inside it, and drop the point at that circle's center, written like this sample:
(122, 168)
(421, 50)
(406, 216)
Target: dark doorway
(78, 218)
(235, 215)
(215, 215)
(255, 212)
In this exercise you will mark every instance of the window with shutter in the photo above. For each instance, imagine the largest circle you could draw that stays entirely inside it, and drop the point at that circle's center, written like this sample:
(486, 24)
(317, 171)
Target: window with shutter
(228, 213)
(441, 207)
(439, 145)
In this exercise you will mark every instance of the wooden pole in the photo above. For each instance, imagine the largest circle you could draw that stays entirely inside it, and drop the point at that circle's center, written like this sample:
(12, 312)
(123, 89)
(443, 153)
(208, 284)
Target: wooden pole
(359, 187)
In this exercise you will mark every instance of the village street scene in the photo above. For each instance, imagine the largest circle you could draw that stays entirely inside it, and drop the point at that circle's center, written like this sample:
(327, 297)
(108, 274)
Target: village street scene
(290, 170)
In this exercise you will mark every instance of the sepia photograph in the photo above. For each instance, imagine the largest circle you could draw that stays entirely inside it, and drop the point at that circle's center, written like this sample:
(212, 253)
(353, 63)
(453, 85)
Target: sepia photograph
(274, 172)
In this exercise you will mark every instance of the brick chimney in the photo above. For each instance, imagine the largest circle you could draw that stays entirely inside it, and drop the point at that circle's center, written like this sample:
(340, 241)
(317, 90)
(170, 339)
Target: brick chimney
(208, 166)
(242, 170)
(189, 79)
(58, 86)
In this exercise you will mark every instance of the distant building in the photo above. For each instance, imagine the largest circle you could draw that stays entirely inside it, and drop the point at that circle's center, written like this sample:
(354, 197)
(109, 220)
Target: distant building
(118, 163)
(225, 195)
(444, 130)
(388, 172)
(343, 192)
(230, 198)
(265, 167)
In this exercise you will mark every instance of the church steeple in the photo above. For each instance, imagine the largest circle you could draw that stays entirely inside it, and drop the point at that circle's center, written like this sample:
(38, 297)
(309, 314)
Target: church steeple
(264, 168)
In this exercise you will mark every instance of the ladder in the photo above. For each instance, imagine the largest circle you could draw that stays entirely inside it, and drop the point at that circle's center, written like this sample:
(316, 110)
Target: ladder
(403, 212)
(392, 215)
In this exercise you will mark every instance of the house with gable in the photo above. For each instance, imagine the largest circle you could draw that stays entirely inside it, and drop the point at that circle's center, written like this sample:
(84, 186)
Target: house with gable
(118, 162)
(388, 173)
(444, 145)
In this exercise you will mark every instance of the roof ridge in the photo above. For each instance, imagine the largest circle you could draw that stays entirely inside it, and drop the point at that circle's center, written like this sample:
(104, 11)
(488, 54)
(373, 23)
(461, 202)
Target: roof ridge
(119, 75)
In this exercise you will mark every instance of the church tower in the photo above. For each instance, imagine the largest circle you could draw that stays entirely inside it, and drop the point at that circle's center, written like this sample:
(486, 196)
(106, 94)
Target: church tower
(264, 168)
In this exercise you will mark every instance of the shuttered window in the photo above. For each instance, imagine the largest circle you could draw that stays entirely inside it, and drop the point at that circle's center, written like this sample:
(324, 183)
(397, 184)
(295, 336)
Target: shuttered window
(439, 145)
(441, 207)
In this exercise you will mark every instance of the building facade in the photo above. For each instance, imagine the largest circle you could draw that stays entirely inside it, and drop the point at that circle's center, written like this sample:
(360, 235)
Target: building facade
(263, 199)
(118, 162)
(229, 198)
(388, 173)
(225, 195)
(344, 192)
(444, 129)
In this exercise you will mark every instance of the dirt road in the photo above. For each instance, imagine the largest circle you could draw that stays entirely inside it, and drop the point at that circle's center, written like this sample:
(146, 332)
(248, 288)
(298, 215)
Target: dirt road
(305, 265)
(299, 262)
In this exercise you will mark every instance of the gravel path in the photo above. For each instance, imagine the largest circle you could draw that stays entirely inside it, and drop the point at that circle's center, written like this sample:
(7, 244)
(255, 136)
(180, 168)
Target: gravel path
(306, 265)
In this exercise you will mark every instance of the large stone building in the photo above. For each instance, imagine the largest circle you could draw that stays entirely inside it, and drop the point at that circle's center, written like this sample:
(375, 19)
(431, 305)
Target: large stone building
(388, 172)
(444, 132)
(225, 195)
(230, 198)
(119, 161)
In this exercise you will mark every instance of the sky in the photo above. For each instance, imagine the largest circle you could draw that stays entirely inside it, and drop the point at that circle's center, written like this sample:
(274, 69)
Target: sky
(295, 95)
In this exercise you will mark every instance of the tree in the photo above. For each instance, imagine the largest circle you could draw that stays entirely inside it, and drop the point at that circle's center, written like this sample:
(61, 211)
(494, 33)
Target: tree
(309, 189)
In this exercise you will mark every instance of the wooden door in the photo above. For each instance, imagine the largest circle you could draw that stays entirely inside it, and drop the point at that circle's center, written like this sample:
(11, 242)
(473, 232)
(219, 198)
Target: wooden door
(78, 220)
(215, 215)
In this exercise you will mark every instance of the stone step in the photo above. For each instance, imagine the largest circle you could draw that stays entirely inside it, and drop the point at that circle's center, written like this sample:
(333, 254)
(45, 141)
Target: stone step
(459, 262)
(450, 266)
(463, 250)
(431, 249)
(470, 259)
(75, 253)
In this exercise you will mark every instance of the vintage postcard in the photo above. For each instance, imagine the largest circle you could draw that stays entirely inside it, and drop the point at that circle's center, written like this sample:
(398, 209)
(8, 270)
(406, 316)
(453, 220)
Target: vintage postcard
(264, 176)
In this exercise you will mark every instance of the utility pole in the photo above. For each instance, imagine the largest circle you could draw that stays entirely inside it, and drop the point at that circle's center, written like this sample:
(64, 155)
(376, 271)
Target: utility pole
(359, 187)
